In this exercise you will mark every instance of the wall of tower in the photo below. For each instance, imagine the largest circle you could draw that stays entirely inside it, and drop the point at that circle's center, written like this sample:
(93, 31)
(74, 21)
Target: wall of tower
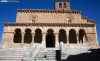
(62, 3)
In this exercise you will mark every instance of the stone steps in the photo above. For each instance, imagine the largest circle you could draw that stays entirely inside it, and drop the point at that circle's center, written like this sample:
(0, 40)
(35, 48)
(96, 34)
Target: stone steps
(10, 57)
(48, 54)
(10, 60)
(46, 60)
(3, 54)
(11, 54)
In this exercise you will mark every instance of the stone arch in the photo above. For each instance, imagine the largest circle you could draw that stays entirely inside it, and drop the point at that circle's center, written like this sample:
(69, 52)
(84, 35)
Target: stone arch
(33, 17)
(50, 38)
(70, 16)
(28, 36)
(82, 36)
(38, 36)
(64, 5)
(72, 36)
(62, 35)
(50, 30)
(60, 5)
(17, 36)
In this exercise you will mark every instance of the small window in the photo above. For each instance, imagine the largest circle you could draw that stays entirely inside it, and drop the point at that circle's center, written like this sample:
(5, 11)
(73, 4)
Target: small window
(64, 5)
(69, 20)
(60, 5)
(33, 20)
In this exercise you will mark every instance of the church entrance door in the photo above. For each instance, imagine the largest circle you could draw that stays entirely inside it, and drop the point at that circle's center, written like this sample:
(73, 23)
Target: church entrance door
(50, 41)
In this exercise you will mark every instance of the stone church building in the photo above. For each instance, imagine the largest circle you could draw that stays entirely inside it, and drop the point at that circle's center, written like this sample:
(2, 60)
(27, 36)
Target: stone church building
(57, 29)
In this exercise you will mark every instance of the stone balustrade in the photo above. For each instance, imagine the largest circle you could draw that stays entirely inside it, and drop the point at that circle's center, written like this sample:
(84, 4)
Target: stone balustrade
(30, 52)
(62, 51)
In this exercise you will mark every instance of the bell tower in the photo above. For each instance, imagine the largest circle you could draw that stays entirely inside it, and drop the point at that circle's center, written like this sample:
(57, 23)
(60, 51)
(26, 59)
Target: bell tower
(62, 4)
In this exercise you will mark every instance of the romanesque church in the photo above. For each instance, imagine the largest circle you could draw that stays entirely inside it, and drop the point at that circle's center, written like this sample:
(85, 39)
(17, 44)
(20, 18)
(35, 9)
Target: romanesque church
(60, 34)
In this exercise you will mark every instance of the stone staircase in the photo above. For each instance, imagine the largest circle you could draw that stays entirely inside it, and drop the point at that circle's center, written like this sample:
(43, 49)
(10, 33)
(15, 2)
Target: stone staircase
(81, 53)
(74, 52)
(12, 54)
(47, 54)
(73, 49)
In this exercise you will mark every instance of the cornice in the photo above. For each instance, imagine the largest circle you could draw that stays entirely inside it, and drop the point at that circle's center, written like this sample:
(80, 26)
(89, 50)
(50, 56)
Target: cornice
(47, 11)
(88, 20)
(50, 24)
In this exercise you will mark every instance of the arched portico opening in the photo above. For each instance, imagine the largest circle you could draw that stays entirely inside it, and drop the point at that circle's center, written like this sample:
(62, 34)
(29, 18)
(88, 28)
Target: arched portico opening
(38, 36)
(62, 36)
(28, 36)
(82, 37)
(72, 36)
(50, 38)
(17, 36)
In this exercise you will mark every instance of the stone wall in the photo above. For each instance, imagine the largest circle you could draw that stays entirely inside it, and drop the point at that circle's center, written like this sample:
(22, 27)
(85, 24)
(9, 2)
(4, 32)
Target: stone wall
(9, 32)
(49, 17)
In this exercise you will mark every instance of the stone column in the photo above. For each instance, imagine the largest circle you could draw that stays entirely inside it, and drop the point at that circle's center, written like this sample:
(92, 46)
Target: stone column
(84, 39)
(67, 38)
(12, 37)
(22, 38)
(77, 35)
(33, 34)
(56, 40)
(44, 39)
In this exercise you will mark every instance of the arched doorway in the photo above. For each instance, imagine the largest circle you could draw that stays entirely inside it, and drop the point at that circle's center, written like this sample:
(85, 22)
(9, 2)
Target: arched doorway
(17, 36)
(38, 36)
(50, 39)
(82, 36)
(62, 36)
(28, 36)
(72, 36)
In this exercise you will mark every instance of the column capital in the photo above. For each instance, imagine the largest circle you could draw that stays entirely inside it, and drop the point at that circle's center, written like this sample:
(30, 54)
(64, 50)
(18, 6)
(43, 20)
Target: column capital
(44, 33)
(67, 34)
(33, 34)
(13, 32)
(77, 34)
(56, 33)
(22, 33)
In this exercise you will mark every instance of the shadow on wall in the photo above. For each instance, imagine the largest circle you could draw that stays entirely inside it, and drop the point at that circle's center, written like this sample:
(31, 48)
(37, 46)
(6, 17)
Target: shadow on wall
(93, 56)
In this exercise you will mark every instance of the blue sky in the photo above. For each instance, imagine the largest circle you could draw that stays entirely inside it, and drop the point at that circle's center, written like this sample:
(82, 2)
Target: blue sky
(89, 8)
